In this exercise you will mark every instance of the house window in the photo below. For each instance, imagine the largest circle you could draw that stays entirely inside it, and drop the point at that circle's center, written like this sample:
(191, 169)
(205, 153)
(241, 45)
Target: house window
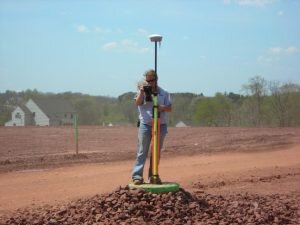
(18, 115)
(33, 114)
(71, 116)
(65, 115)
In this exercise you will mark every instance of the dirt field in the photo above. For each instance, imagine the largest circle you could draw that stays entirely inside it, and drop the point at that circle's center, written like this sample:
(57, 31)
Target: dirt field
(38, 165)
(44, 147)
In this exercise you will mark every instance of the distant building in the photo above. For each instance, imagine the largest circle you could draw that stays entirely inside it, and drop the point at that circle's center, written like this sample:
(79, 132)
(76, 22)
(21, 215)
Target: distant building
(43, 112)
(180, 124)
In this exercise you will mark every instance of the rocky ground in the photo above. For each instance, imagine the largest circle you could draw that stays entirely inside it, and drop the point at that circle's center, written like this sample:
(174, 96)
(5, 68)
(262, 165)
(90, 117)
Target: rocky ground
(125, 206)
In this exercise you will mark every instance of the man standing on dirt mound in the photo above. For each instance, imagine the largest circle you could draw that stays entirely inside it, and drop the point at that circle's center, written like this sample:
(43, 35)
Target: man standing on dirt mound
(145, 110)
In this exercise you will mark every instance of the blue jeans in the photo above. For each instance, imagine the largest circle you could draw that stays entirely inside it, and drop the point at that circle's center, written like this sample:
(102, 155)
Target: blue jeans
(144, 141)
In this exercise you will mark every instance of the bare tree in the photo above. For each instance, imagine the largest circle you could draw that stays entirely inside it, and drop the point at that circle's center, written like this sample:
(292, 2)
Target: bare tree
(279, 101)
(282, 101)
(256, 90)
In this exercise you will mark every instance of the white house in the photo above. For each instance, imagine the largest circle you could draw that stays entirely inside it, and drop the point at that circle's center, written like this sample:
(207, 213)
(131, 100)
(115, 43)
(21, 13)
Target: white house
(21, 116)
(43, 112)
(180, 124)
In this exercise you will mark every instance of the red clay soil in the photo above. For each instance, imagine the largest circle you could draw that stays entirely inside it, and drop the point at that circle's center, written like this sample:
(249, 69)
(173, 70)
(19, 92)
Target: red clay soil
(41, 147)
(38, 165)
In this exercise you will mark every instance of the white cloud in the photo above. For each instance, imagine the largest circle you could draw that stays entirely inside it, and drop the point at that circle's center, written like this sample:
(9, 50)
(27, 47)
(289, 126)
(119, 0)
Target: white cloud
(143, 32)
(249, 2)
(280, 50)
(276, 53)
(291, 50)
(276, 50)
(265, 59)
(186, 37)
(126, 45)
(255, 2)
(102, 30)
(85, 29)
(110, 46)
(82, 29)
(280, 13)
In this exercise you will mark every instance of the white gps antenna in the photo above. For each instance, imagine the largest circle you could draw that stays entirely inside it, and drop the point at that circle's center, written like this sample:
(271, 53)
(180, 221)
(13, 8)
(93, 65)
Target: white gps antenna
(155, 38)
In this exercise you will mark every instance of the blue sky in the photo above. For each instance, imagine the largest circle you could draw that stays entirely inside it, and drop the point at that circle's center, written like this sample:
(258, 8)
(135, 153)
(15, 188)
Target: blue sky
(102, 47)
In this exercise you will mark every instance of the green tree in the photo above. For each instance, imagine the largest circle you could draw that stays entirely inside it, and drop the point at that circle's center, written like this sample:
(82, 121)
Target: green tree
(127, 107)
(87, 111)
(182, 107)
(225, 108)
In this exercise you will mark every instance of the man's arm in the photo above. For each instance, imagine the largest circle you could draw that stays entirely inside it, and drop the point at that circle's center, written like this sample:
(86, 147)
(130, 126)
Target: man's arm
(165, 108)
(139, 100)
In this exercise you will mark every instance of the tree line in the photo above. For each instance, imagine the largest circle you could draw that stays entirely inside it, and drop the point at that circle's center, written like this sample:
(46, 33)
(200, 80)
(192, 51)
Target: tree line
(261, 104)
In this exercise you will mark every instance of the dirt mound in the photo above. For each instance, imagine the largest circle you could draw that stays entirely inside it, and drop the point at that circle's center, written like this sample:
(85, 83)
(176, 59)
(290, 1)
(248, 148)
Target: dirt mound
(125, 206)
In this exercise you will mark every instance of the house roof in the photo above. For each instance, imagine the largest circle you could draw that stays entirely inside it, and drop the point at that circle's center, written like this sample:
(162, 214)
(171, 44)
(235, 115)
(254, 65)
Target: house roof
(25, 109)
(28, 114)
(51, 106)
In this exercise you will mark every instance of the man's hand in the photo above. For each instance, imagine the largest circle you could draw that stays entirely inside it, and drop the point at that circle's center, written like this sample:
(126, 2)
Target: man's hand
(164, 108)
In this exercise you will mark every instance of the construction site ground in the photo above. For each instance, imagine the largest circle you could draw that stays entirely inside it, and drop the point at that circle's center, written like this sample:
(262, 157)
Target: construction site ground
(39, 166)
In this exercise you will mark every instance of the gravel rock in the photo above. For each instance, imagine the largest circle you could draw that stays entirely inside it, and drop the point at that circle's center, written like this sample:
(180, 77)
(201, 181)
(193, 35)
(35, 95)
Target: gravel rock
(125, 206)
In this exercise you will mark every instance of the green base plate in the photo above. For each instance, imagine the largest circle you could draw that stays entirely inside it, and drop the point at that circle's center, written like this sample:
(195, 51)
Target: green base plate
(156, 188)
